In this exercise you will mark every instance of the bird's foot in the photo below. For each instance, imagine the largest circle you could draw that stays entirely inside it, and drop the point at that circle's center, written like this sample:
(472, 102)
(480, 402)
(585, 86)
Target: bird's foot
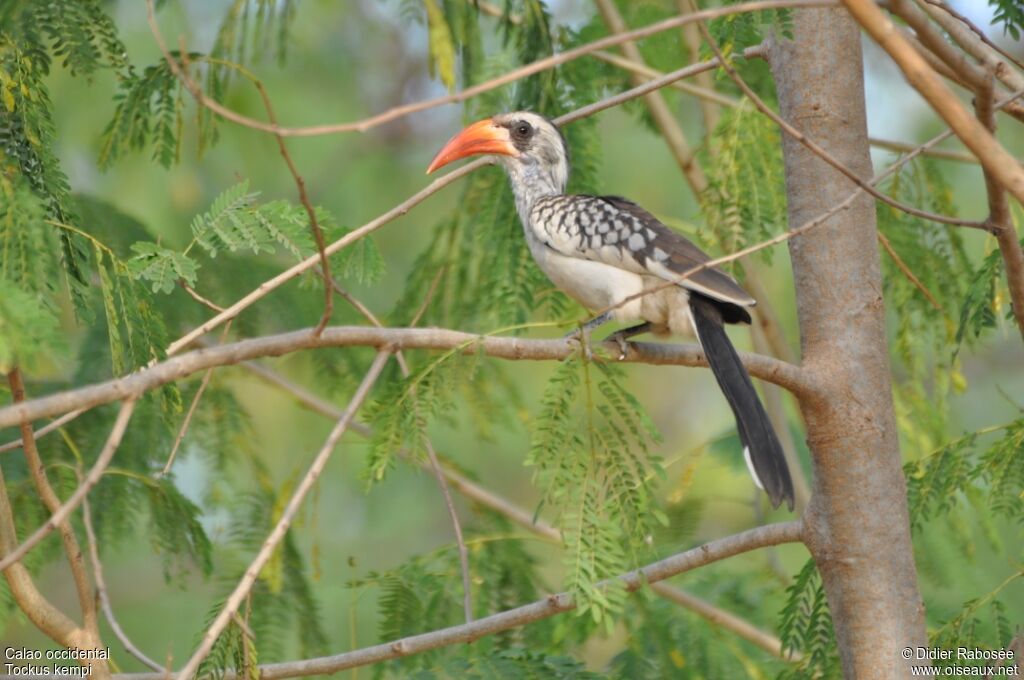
(621, 337)
(620, 340)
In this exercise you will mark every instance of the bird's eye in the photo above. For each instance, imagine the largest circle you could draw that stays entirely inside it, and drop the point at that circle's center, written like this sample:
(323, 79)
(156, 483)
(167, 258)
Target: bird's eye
(523, 130)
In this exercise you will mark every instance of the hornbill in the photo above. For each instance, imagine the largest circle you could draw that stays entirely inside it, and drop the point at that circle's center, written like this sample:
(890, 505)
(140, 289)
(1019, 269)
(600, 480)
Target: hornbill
(601, 250)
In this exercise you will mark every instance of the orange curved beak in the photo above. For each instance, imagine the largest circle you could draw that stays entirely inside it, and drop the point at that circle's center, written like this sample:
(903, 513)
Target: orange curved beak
(483, 137)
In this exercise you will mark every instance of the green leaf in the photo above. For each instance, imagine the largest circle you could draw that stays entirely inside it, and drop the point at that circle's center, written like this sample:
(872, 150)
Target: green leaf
(589, 451)
(236, 221)
(442, 49)
(1010, 14)
(360, 262)
(745, 201)
(175, 531)
(805, 626)
(161, 266)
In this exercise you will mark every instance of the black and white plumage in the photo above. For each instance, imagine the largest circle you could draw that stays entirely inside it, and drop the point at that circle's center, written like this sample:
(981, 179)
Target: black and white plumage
(601, 250)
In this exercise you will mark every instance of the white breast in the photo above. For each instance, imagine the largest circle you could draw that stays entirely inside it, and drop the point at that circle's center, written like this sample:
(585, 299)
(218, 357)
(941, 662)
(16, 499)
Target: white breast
(593, 284)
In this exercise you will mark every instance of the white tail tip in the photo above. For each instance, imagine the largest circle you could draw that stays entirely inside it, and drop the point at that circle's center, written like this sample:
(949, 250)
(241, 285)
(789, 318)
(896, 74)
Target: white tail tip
(750, 466)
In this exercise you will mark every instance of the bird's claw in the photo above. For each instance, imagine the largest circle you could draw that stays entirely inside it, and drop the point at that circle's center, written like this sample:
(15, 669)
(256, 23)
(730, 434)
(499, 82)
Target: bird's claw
(620, 340)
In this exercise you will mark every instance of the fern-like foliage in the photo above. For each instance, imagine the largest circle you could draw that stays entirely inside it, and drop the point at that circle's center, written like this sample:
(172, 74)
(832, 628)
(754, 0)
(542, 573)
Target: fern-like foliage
(29, 331)
(78, 32)
(82, 35)
(26, 144)
(736, 32)
(281, 607)
(745, 201)
(589, 449)
(136, 330)
(923, 333)
(664, 641)
(424, 593)
(982, 623)
(935, 483)
(405, 408)
(984, 302)
(150, 110)
(236, 222)
(247, 29)
(805, 626)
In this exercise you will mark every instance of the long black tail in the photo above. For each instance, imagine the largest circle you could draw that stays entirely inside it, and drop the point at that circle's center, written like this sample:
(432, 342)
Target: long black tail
(760, 443)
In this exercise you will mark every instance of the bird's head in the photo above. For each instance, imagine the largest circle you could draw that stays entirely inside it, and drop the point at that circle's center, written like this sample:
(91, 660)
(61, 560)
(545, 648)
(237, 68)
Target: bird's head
(529, 146)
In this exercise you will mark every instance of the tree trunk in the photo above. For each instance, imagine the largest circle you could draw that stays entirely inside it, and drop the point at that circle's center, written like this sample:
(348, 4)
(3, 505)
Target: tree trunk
(857, 524)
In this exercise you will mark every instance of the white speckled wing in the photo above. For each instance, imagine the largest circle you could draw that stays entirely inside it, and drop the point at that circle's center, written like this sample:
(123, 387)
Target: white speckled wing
(617, 232)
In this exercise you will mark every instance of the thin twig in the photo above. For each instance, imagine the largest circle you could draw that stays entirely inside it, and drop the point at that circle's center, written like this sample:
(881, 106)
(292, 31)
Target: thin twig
(314, 224)
(944, 154)
(65, 510)
(241, 591)
(199, 298)
(718, 98)
(183, 430)
(435, 466)
(663, 118)
(903, 267)
(691, 42)
(511, 76)
(644, 71)
(819, 151)
(101, 588)
(708, 553)
(44, 430)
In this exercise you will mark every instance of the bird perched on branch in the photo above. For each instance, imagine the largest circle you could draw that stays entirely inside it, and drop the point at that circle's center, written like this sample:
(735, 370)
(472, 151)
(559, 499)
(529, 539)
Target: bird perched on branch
(604, 251)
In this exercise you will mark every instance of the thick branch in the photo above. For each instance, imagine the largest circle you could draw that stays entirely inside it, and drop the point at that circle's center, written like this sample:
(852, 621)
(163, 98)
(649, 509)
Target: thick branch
(51, 501)
(857, 523)
(994, 59)
(767, 368)
(41, 612)
(1000, 218)
(973, 75)
(980, 141)
(713, 551)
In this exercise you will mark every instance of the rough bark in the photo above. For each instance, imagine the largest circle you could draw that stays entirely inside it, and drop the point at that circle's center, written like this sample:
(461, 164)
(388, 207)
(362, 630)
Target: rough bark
(857, 524)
